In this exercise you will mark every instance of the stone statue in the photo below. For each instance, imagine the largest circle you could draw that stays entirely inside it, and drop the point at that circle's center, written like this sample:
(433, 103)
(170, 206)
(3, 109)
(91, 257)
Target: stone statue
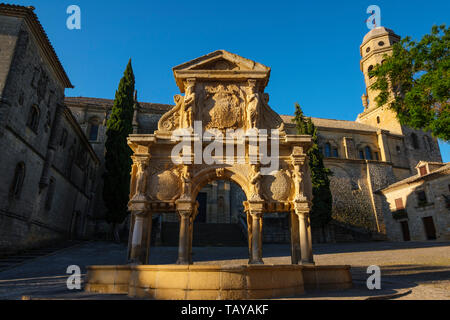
(256, 182)
(185, 176)
(254, 101)
(141, 178)
(189, 103)
(297, 176)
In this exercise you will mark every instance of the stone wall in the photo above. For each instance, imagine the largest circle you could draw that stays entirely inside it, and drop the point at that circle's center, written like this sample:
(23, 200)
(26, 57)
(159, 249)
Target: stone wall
(33, 212)
(437, 191)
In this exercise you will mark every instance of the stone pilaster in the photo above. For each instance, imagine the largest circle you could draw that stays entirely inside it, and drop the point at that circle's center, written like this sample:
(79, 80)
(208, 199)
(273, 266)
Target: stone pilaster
(185, 209)
(255, 210)
(302, 210)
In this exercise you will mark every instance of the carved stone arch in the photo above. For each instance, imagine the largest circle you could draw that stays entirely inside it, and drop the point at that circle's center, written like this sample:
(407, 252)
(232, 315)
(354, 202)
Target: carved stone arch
(207, 175)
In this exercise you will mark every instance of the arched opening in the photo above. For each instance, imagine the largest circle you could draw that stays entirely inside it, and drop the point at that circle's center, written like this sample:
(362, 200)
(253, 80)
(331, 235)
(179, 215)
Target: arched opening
(17, 183)
(33, 118)
(369, 70)
(221, 220)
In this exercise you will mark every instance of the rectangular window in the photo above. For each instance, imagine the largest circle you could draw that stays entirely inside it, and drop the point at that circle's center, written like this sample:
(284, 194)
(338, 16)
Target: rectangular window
(399, 204)
(335, 153)
(423, 170)
(361, 154)
(376, 156)
(421, 198)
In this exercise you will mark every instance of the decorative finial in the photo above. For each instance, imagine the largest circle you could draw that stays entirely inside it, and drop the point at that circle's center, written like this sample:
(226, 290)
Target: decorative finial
(364, 101)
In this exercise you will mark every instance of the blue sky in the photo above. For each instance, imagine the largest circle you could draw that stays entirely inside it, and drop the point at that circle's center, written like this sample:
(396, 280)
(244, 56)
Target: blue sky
(311, 46)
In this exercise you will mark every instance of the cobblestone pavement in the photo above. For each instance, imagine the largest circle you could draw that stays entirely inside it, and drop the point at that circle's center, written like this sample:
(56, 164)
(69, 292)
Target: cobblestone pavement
(409, 270)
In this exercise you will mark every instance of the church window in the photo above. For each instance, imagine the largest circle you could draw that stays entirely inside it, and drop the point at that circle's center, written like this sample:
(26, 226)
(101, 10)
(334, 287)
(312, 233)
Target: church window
(33, 118)
(369, 70)
(378, 119)
(327, 150)
(368, 49)
(93, 129)
(368, 153)
(397, 148)
(17, 183)
(335, 153)
(50, 193)
(361, 154)
(415, 141)
(381, 43)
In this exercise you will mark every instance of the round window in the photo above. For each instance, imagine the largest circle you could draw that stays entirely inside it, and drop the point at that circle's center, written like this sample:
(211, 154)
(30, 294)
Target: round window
(368, 49)
(381, 43)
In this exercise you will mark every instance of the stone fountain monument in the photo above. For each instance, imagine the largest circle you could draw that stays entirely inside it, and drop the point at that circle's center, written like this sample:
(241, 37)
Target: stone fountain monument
(222, 128)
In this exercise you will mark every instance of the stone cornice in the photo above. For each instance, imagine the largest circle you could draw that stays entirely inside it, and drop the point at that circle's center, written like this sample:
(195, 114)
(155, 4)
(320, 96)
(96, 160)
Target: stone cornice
(38, 32)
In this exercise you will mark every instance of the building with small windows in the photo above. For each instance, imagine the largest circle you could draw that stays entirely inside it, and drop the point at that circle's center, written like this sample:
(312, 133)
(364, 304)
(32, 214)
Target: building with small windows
(418, 208)
(48, 169)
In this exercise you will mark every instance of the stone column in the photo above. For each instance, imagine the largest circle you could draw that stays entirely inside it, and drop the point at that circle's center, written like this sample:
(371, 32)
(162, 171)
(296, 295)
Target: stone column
(305, 238)
(140, 238)
(183, 246)
(191, 231)
(310, 251)
(256, 241)
(295, 238)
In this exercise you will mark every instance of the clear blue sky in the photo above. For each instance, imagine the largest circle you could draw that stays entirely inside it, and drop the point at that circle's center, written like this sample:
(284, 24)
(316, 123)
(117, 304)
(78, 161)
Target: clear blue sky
(311, 46)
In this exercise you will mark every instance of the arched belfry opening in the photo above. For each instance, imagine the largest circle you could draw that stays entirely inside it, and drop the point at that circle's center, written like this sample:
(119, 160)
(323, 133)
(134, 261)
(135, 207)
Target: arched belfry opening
(221, 132)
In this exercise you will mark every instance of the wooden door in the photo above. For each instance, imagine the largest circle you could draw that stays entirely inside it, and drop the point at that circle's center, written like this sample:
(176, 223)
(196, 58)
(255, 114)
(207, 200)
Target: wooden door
(430, 230)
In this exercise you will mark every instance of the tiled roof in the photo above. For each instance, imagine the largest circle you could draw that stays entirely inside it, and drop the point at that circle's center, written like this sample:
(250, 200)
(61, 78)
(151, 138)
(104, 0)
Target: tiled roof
(417, 177)
(334, 124)
(27, 13)
(108, 103)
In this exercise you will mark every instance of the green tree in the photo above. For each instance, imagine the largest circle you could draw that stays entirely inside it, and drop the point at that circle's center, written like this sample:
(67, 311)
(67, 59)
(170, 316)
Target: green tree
(118, 162)
(322, 202)
(415, 81)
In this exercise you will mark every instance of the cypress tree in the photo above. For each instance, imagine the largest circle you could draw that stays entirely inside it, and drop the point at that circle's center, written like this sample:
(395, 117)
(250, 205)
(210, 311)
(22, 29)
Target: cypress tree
(322, 201)
(118, 161)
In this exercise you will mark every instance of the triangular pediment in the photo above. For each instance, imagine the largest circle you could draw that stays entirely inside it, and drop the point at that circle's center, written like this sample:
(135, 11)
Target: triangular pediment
(222, 60)
(221, 65)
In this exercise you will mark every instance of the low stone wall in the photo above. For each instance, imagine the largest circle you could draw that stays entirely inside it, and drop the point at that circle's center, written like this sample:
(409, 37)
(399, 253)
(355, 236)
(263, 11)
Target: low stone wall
(214, 282)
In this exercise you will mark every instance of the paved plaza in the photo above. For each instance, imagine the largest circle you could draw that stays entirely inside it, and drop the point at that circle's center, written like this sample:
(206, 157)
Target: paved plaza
(409, 270)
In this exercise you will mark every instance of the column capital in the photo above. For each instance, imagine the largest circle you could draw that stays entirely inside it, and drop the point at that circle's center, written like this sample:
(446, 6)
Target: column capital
(185, 205)
(254, 206)
(138, 205)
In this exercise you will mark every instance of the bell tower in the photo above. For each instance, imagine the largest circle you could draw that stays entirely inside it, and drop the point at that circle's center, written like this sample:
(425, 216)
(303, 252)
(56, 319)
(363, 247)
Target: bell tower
(417, 145)
(375, 45)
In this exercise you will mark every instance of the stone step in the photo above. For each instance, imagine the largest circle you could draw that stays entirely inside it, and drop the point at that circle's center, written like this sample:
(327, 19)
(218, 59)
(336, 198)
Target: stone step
(205, 234)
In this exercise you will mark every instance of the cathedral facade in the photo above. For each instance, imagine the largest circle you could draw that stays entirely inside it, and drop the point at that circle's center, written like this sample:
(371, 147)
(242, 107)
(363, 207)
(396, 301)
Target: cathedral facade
(364, 155)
